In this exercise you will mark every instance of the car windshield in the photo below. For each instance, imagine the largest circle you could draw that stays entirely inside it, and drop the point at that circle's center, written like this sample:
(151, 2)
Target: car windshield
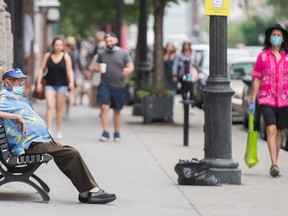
(240, 70)
(202, 58)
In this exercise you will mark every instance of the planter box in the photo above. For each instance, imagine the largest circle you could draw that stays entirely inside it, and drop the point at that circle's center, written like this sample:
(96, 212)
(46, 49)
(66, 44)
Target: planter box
(157, 108)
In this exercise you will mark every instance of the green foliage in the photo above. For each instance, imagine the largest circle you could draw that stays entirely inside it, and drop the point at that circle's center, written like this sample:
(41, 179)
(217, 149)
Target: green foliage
(248, 32)
(234, 34)
(88, 16)
(153, 91)
(254, 28)
(280, 7)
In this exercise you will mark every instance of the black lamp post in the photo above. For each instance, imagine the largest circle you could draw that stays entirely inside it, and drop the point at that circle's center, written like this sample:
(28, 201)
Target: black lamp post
(118, 21)
(143, 66)
(217, 108)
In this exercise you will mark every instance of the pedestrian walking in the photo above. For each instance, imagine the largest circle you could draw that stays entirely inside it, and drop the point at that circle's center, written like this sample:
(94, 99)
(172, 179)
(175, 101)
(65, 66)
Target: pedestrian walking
(115, 66)
(59, 78)
(184, 71)
(77, 68)
(28, 134)
(96, 77)
(270, 84)
(169, 58)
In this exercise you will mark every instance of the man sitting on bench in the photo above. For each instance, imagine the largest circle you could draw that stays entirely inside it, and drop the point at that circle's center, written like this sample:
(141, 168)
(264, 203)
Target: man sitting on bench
(27, 134)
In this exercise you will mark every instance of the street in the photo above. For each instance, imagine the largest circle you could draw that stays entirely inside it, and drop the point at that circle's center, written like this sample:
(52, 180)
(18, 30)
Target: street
(140, 171)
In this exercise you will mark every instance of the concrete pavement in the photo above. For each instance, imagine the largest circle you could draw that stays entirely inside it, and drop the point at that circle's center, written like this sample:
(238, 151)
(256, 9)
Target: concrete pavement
(140, 171)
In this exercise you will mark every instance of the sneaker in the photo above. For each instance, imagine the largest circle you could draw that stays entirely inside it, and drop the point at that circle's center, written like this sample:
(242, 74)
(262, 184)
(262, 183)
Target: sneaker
(59, 135)
(117, 137)
(105, 136)
(274, 170)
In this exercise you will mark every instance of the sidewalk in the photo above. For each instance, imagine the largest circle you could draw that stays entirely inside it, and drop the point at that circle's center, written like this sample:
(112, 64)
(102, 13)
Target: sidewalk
(140, 171)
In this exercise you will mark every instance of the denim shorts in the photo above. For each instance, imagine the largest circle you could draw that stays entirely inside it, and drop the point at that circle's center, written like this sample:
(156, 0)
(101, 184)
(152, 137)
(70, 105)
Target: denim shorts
(112, 96)
(57, 89)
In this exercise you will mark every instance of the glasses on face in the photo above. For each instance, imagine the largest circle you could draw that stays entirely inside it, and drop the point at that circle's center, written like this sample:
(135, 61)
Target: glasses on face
(20, 81)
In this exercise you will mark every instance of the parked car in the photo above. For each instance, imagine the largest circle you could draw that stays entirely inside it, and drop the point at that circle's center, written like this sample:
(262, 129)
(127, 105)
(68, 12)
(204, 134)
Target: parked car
(201, 57)
(254, 50)
(259, 123)
(237, 69)
(201, 54)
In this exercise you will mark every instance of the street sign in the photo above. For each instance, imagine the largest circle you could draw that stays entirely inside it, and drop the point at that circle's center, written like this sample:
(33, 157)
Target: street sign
(47, 3)
(217, 7)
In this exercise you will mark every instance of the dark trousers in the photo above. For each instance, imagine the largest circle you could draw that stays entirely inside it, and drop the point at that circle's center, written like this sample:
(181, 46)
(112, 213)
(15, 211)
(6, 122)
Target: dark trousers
(69, 161)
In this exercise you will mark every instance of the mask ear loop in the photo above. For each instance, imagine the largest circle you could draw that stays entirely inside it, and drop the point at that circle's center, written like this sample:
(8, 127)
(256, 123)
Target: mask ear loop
(10, 85)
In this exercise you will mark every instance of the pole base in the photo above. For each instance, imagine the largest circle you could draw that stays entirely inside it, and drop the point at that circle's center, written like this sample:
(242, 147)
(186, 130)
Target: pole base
(227, 176)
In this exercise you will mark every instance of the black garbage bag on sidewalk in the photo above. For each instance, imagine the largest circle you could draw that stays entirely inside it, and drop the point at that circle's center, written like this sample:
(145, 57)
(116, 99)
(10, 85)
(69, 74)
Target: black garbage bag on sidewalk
(194, 172)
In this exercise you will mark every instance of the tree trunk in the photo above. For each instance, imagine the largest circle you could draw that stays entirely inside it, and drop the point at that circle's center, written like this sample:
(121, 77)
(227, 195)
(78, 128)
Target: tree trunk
(159, 6)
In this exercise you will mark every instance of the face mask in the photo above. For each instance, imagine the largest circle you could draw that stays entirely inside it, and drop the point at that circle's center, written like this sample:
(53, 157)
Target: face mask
(275, 41)
(112, 49)
(18, 90)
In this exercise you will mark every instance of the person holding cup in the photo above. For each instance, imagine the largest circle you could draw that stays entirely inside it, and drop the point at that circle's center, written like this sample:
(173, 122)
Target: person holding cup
(115, 65)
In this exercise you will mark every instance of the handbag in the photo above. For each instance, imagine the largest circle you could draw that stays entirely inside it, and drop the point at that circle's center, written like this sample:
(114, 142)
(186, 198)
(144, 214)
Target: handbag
(39, 95)
(194, 172)
(251, 158)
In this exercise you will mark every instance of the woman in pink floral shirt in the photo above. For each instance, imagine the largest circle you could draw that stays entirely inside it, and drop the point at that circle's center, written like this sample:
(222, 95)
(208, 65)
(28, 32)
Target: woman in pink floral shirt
(270, 84)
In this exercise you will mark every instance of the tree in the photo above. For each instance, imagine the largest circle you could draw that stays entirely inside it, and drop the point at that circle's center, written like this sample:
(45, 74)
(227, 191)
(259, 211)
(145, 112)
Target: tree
(280, 8)
(253, 29)
(85, 17)
(159, 8)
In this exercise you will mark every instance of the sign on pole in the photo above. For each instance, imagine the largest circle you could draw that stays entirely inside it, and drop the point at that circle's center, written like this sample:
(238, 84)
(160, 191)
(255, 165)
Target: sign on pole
(47, 3)
(217, 7)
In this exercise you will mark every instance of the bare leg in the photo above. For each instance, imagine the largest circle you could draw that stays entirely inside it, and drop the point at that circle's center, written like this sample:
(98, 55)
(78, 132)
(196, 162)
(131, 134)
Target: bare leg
(117, 120)
(105, 117)
(278, 142)
(75, 94)
(50, 100)
(60, 99)
(272, 143)
(67, 100)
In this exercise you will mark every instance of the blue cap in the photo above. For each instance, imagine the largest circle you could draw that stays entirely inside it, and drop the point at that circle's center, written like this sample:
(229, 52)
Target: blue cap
(15, 73)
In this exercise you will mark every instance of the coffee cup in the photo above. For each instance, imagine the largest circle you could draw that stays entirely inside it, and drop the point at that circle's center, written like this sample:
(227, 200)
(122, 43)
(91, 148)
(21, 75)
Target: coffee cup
(103, 67)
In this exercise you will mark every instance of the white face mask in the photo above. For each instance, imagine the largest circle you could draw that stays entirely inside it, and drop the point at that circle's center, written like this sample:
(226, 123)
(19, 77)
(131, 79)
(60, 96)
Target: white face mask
(18, 90)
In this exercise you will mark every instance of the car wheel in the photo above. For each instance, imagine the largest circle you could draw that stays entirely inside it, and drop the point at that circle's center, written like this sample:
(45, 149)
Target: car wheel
(284, 144)
(245, 116)
(262, 128)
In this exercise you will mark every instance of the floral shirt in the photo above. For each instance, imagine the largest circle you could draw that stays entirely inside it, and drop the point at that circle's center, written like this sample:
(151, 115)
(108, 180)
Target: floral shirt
(273, 89)
(36, 127)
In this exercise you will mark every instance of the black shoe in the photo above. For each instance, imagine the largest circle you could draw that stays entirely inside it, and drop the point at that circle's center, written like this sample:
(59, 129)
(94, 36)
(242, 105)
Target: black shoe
(274, 170)
(100, 197)
(82, 199)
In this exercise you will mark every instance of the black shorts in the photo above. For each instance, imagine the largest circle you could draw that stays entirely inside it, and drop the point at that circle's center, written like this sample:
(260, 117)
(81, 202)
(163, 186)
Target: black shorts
(275, 116)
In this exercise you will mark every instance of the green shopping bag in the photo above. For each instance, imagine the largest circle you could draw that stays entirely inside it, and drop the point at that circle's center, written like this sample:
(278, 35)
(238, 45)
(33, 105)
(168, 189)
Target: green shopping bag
(250, 157)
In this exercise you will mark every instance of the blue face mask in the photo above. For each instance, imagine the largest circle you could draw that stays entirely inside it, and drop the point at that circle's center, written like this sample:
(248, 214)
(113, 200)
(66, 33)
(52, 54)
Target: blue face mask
(18, 90)
(112, 49)
(276, 41)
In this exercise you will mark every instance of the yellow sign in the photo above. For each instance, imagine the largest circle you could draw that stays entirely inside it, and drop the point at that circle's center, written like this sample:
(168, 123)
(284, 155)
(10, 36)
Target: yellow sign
(217, 7)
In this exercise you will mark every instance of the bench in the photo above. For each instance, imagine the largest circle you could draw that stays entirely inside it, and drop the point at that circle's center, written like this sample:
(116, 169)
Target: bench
(21, 168)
